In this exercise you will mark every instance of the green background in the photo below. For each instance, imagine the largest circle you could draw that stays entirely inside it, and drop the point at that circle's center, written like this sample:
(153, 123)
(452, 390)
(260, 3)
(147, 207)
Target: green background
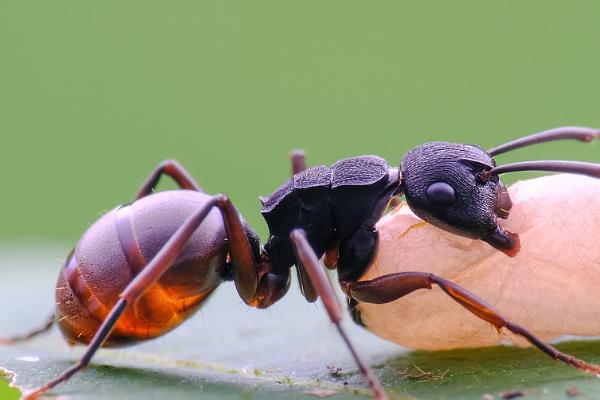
(94, 94)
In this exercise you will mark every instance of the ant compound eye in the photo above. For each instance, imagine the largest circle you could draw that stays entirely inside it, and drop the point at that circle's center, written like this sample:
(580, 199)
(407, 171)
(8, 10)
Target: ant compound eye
(441, 194)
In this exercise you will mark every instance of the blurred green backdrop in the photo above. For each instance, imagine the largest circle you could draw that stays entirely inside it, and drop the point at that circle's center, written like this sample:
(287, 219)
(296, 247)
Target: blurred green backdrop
(93, 95)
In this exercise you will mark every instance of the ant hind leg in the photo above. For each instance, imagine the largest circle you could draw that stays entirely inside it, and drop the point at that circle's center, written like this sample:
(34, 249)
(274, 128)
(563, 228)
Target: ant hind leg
(298, 160)
(168, 167)
(45, 327)
(175, 170)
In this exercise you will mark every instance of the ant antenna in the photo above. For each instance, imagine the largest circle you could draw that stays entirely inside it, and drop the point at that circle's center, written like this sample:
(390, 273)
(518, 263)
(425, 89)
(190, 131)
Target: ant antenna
(562, 133)
(571, 167)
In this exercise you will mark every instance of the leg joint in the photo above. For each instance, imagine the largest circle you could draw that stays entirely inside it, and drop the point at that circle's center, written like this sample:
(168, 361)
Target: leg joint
(297, 234)
(169, 164)
(222, 200)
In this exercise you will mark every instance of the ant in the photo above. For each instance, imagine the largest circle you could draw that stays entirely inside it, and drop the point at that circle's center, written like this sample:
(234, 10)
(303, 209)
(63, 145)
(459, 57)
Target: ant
(146, 266)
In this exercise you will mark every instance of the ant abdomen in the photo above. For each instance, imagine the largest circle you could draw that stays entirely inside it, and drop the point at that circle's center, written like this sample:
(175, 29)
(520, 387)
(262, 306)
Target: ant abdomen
(117, 247)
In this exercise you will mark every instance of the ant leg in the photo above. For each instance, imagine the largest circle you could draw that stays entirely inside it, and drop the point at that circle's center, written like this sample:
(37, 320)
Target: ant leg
(157, 267)
(306, 287)
(298, 161)
(169, 167)
(20, 338)
(309, 261)
(387, 288)
(175, 170)
(562, 133)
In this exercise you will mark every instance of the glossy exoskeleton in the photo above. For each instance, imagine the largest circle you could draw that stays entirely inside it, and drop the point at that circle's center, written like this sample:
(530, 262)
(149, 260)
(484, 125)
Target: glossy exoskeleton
(145, 267)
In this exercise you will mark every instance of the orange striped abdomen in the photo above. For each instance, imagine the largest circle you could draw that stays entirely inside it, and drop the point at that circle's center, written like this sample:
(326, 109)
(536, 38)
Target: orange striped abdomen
(117, 247)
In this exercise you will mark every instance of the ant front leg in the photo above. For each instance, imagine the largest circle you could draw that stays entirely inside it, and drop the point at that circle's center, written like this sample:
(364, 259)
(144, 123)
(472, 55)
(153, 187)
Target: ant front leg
(175, 170)
(388, 288)
(308, 261)
(245, 276)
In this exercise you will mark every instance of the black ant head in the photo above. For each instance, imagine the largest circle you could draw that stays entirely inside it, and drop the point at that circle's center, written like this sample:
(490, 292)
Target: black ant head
(449, 185)
(456, 186)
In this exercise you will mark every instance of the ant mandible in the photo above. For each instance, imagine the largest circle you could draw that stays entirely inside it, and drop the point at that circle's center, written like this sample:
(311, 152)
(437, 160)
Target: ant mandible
(144, 267)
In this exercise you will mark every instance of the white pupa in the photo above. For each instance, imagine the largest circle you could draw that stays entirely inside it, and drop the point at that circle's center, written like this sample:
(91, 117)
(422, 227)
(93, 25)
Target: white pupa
(551, 287)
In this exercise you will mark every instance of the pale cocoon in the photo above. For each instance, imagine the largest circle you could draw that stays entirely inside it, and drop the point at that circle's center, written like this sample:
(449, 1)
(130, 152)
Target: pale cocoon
(551, 287)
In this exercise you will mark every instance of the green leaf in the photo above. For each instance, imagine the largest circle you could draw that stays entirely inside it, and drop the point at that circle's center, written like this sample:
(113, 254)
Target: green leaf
(229, 351)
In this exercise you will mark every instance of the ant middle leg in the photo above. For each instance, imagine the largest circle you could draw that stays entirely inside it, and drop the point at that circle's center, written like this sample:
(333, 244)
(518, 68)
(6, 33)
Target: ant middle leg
(308, 261)
(388, 288)
(175, 170)
(298, 160)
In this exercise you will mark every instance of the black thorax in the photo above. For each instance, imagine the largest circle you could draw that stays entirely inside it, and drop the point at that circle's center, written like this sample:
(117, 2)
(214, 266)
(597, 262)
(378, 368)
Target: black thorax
(335, 206)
